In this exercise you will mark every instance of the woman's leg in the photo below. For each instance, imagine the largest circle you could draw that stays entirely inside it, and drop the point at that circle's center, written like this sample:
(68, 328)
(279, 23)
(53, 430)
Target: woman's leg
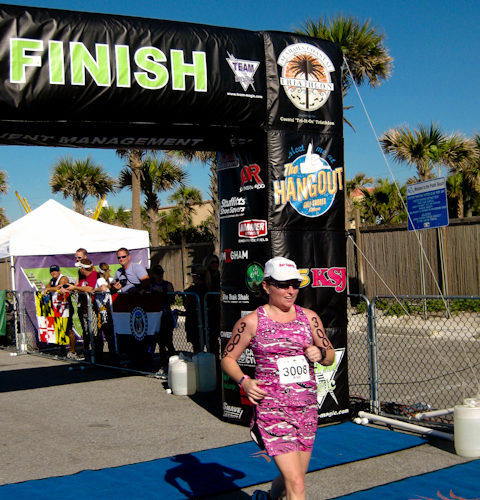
(293, 467)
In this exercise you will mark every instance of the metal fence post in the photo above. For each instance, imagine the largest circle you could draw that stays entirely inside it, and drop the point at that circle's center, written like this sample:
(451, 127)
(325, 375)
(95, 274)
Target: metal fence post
(372, 339)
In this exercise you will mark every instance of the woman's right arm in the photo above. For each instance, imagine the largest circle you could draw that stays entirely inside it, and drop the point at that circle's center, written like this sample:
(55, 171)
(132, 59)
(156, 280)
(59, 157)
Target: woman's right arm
(242, 334)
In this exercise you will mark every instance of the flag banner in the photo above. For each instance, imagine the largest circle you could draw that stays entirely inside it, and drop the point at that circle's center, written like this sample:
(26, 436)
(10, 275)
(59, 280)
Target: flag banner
(137, 315)
(53, 318)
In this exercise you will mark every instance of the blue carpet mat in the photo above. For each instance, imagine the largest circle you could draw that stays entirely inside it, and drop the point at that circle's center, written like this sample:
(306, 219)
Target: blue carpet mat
(460, 482)
(210, 471)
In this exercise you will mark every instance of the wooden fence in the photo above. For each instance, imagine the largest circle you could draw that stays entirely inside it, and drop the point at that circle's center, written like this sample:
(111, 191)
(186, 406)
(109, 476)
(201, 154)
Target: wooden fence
(392, 260)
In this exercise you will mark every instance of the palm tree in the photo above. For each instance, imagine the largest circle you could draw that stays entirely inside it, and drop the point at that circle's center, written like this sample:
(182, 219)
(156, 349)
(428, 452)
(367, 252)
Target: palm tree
(117, 217)
(157, 174)
(358, 182)
(455, 192)
(383, 204)
(209, 158)
(469, 171)
(134, 159)
(3, 190)
(185, 199)
(80, 179)
(3, 182)
(426, 148)
(363, 48)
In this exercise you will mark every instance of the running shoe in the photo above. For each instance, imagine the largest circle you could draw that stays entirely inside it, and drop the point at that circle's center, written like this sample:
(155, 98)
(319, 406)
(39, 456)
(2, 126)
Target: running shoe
(162, 374)
(260, 495)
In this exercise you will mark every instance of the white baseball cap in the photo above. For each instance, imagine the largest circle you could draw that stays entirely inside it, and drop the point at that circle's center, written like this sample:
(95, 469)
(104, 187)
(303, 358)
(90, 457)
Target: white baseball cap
(281, 269)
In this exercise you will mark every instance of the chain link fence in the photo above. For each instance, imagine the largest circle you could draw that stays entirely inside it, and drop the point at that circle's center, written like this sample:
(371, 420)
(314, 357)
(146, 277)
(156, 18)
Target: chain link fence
(422, 353)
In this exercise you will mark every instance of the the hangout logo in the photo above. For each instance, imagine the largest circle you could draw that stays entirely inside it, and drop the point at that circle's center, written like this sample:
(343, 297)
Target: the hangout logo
(306, 76)
(310, 184)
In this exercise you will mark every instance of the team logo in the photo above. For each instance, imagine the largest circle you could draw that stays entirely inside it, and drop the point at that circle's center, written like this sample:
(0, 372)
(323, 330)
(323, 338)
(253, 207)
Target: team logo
(243, 70)
(254, 276)
(254, 228)
(138, 323)
(306, 76)
(310, 183)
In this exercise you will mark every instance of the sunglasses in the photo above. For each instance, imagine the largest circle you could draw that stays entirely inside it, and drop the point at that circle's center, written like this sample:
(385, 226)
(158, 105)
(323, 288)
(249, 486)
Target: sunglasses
(120, 257)
(285, 284)
(78, 258)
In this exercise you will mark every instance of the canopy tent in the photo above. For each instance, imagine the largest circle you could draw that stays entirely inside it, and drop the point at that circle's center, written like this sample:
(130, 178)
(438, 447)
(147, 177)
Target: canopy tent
(51, 234)
(53, 229)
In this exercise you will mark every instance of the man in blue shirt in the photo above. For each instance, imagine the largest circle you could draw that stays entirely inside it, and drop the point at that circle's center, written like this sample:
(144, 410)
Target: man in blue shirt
(131, 276)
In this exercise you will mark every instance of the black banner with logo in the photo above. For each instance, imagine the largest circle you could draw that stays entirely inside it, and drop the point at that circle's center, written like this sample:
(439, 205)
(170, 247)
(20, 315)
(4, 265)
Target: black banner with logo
(299, 189)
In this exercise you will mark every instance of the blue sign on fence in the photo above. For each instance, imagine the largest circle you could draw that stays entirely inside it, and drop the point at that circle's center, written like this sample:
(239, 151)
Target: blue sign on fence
(427, 204)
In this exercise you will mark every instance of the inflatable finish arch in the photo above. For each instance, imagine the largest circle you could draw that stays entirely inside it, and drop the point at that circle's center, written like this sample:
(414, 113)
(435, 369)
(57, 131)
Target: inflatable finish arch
(269, 102)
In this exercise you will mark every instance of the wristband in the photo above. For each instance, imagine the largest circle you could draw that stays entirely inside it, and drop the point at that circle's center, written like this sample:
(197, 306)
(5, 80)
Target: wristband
(240, 382)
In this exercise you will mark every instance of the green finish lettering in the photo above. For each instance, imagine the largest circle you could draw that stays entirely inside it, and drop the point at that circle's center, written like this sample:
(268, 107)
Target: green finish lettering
(122, 59)
(98, 67)
(19, 60)
(56, 66)
(149, 59)
(180, 69)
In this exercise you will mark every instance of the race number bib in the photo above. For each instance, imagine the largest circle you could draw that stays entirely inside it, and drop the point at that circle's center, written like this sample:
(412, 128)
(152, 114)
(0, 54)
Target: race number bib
(293, 369)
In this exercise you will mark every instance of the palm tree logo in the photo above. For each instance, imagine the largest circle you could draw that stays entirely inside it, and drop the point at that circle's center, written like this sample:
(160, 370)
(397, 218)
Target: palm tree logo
(306, 76)
(307, 66)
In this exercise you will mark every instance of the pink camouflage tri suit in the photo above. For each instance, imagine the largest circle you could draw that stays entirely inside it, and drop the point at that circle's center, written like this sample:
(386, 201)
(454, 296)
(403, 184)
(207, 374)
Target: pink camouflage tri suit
(287, 416)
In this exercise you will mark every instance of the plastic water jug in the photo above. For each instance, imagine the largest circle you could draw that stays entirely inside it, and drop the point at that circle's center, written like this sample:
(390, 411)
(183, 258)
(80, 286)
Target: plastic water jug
(466, 428)
(206, 371)
(184, 379)
(171, 361)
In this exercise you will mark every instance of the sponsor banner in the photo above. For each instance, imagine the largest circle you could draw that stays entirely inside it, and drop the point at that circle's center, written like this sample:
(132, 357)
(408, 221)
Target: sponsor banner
(138, 315)
(52, 318)
(306, 83)
(306, 182)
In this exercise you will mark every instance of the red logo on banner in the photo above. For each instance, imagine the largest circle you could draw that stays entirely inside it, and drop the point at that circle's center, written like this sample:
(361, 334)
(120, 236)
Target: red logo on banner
(253, 228)
(334, 277)
(250, 177)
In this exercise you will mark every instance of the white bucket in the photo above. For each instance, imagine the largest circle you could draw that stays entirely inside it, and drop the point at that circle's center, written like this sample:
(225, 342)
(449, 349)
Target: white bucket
(466, 430)
(206, 371)
(171, 361)
(184, 380)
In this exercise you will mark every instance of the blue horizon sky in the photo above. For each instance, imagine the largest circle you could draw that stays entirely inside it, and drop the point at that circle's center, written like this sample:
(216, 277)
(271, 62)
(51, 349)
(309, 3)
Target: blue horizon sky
(434, 79)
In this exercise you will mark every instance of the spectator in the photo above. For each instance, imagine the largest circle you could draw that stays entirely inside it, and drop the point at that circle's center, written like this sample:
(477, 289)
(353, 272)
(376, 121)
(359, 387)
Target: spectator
(131, 276)
(103, 301)
(164, 337)
(60, 295)
(85, 286)
(198, 287)
(80, 254)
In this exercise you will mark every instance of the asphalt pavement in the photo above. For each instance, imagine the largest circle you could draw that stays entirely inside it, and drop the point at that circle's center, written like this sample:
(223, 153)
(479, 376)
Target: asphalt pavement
(59, 419)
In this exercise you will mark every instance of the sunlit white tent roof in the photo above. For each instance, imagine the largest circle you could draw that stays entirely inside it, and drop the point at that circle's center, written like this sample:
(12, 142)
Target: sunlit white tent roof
(53, 229)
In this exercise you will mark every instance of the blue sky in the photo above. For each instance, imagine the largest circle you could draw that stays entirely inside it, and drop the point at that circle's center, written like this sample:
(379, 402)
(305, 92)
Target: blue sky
(435, 78)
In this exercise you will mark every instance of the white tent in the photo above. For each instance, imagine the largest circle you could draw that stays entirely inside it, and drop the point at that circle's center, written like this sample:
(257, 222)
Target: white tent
(53, 229)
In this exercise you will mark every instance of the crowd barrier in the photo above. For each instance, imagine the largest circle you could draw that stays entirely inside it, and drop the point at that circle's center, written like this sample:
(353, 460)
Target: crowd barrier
(193, 327)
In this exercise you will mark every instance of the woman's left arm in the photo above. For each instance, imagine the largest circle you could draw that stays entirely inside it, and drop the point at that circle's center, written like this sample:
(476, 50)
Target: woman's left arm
(322, 351)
